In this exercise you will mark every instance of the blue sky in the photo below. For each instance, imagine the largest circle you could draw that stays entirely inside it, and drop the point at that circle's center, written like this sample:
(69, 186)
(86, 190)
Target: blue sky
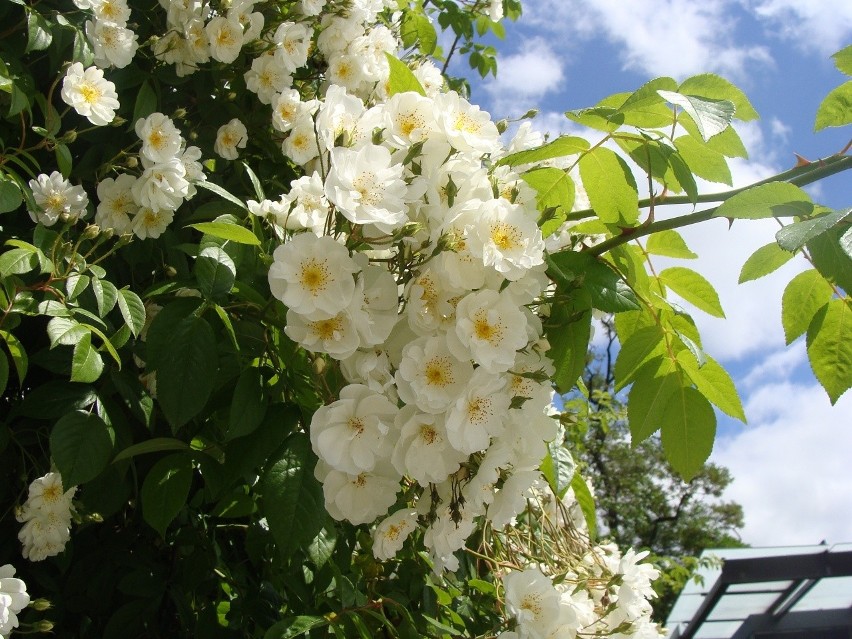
(791, 461)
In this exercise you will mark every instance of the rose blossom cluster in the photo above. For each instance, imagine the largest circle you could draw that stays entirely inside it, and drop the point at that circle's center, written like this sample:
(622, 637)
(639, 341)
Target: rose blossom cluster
(585, 600)
(46, 518)
(444, 420)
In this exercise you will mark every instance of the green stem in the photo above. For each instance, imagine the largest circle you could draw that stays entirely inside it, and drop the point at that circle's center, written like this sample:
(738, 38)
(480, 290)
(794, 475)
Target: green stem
(800, 176)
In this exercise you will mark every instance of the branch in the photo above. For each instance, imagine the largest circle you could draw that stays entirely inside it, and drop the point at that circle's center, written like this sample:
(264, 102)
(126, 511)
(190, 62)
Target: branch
(800, 176)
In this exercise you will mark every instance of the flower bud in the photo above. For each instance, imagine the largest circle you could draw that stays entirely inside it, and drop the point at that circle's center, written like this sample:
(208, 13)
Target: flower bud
(132, 162)
(318, 365)
(91, 231)
(171, 271)
(41, 605)
(43, 626)
(69, 137)
(179, 114)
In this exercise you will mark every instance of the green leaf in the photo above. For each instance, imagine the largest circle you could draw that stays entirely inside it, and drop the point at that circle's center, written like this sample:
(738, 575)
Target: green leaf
(603, 118)
(703, 161)
(794, 236)
(17, 261)
(10, 195)
(38, 32)
(76, 284)
(4, 373)
(417, 29)
(778, 199)
(765, 260)
(86, 363)
(831, 259)
(713, 382)
(322, 547)
(215, 272)
(829, 345)
(165, 490)
(587, 503)
(654, 384)
(55, 399)
(183, 352)
(63, 159)
(401, 78)
(155, 445)
(836, 108)
(569, 346)
(669, 243)
(248, 406)
(558, 468)
(227, 231)
(132, 310)
(806, 294)
(641, 346)
(694, 288)
(611, 187)
(218, 190)
(81, 445)
(146, 102)
(606, 289)
(709, 115)
(294, 626)
(554, 187)
(65, 331)
(688, 431)
(714, 87)
(291, 494)
(646, 108)
(843, 60)
(255, 182)
(560, 147)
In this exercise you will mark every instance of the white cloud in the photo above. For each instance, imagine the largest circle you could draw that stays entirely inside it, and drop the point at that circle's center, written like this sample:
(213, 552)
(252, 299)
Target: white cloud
(791, 465)
(823, 26)
(657, 37)
(525, 77)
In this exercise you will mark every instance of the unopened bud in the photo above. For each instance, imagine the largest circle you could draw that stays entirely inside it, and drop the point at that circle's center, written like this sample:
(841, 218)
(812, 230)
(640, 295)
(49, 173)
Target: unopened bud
(43, 626)
(91, 231)
(502, 125)
(179, 114)
(69, 137)
(319, 365)
(529, 114)
(132, 162)
(108, 233)
(118, 121)
(41, 605)
(171, 271)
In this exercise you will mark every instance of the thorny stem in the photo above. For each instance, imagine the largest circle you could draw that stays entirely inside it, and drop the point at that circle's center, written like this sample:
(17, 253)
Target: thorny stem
(799, 176)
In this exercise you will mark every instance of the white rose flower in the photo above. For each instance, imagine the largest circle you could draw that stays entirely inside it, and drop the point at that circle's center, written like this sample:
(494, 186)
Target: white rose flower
(301, 145)
(505, 237)
(225, 38)
(229, 138)
(466, 126)
(391, 533)
(287, 109)
(293, 40)
(161, 140)
(113, 45)
(430, 376)
(479, 413)
(490, 329)
(358, 498)
(423, 451)
(150, 223)
(46, 518)
(533, 601)
(312, 7)
(114, 11)
(305, 205)
(313, 275)
(55, 196)
(368, 187)
(336, 335)
(409, 118)
(267, 78)
(13, 599)
(354, 433)
(162, 185)
(116, 204)
(89, 94)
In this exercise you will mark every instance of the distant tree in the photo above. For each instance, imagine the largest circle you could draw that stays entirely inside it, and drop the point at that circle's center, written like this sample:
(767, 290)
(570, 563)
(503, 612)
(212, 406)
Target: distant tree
(640, 500)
